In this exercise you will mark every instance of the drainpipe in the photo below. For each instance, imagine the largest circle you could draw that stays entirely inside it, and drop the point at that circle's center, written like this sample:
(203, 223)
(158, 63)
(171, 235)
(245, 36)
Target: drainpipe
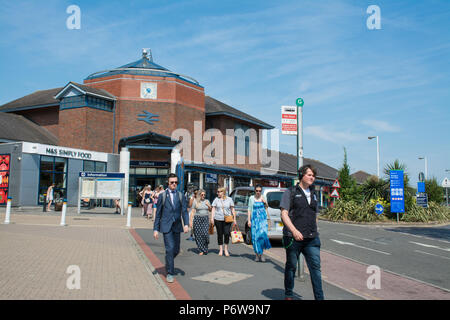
(114, 127)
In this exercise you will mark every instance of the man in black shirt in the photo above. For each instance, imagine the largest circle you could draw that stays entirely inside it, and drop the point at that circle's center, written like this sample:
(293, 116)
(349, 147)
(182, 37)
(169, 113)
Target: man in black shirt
(299, 210)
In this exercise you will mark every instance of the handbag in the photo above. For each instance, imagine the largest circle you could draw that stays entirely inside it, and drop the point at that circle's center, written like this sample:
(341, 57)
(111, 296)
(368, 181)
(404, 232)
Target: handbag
(211, 229)
(228, 219)
(236, 235)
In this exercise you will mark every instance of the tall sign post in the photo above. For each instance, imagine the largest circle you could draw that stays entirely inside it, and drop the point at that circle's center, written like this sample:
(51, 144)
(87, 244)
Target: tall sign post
(299, 102)
(397, 192)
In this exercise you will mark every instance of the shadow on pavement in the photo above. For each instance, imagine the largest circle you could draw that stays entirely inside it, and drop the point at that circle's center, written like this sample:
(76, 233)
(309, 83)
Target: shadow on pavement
(431, 232)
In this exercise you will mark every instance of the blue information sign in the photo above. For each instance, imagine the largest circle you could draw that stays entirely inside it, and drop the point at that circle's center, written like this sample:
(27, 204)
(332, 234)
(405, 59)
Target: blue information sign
(85, 174)
(379, 209)
(397, 191)
(421, 187)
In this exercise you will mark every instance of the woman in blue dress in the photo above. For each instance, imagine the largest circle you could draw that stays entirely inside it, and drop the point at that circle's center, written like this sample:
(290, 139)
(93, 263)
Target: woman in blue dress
(257, 221)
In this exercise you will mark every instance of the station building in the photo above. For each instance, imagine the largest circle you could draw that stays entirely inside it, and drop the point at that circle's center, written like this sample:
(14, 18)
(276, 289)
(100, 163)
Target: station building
(52, 134)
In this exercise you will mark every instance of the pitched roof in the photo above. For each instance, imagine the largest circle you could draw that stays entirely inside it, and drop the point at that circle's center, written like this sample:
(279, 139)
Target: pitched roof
(43, 98)
(361, 176)
(288, 164)
(215, 107)
(87, 90)
(15, 127)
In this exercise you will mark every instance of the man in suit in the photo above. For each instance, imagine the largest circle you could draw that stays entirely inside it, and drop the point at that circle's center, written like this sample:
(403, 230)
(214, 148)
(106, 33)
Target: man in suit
(171, 208)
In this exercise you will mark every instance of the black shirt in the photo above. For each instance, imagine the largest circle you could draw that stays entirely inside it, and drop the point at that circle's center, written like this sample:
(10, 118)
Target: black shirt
(302, 214)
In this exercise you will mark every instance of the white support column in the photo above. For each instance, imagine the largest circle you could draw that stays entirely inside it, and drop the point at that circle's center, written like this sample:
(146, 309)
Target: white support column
(125, 168)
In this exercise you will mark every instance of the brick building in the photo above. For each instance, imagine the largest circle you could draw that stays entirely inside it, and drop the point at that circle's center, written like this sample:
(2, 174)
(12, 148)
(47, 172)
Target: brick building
(149, 109)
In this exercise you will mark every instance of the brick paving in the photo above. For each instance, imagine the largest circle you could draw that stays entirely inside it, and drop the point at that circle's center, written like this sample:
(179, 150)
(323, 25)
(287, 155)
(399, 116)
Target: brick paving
(35, 253)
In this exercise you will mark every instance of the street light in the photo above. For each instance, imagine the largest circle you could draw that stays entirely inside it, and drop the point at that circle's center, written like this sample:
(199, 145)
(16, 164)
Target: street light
(426, 166)
(378, 155)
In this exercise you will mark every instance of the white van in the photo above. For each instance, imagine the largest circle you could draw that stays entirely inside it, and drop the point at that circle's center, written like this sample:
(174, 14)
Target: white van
(241, 196)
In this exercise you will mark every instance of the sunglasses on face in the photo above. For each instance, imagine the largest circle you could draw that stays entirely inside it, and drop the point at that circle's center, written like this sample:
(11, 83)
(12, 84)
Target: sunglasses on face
(258, 190)
(173, 182)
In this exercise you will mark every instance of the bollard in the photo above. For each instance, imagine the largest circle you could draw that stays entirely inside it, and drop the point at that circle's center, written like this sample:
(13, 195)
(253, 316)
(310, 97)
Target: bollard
(44, 208)
(129, 215)
(63, 213)
(8, 211)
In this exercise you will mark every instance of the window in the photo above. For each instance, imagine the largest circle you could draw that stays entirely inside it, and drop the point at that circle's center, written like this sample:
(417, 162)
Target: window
(94, 166)
(242, 139)
(53, 170)
(274, 199)
(242, 197)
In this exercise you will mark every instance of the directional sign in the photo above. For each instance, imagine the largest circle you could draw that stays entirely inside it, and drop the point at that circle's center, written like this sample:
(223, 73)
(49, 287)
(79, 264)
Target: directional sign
(334, 194)
(379, 209)
(336, 184)
(446, 183)
(397, 191)
(422, 200)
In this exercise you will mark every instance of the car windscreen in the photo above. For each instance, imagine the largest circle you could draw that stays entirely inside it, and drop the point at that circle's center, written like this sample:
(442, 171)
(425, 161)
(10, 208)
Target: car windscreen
(274, 199)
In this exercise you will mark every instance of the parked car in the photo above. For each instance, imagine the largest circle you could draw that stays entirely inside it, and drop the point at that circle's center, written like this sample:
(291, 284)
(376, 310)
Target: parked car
(241, 196)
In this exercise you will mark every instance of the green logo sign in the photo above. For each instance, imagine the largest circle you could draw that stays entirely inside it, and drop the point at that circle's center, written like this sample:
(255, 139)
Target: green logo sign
(299, 102)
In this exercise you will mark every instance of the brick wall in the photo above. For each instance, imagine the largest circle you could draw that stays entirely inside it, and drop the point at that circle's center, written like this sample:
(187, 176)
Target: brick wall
(45, 117)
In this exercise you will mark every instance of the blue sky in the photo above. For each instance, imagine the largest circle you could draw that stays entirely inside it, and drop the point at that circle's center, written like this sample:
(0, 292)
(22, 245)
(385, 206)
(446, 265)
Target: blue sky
(260, 55)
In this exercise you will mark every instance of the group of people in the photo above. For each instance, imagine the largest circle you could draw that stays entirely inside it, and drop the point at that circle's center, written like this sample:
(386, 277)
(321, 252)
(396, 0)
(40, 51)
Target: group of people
(299, 209)
(148, 199)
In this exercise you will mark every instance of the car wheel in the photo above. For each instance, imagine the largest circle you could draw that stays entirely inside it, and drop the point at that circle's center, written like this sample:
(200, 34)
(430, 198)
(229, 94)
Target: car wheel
(248, 235)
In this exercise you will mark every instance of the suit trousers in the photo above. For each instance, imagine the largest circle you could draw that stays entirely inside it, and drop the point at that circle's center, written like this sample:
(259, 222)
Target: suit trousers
(172, 244)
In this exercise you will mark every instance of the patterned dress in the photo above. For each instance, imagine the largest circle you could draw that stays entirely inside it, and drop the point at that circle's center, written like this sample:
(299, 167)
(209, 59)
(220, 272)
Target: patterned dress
(260, 239)
(201, 225)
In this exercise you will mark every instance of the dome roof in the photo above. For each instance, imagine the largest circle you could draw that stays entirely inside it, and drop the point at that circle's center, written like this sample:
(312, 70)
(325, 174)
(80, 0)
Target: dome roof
(144, 66)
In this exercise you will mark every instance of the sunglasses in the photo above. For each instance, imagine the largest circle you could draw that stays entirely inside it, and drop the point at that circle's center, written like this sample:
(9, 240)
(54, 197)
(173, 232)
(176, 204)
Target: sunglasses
(173, 182)
(258, 190)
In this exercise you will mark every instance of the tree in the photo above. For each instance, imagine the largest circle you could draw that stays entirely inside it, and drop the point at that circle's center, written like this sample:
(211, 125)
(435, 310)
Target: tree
(349, 188)
(434, 191)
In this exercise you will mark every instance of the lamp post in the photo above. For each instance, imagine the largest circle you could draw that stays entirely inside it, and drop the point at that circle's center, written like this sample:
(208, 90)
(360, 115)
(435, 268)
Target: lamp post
(378, 155)
(426, 166)
(446, 189)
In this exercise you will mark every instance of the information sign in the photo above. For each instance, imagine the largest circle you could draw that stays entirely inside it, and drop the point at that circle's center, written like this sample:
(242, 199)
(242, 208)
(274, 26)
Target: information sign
(397, 191)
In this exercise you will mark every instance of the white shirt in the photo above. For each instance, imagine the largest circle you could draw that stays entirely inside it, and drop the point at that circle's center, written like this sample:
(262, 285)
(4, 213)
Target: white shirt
(307, 194)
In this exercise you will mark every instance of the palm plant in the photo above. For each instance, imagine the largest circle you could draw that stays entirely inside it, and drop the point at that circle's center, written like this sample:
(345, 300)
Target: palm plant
(375, 188)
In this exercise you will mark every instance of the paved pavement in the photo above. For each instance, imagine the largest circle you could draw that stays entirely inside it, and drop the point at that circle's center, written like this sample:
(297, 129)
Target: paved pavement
(36, 254)
(39, 259)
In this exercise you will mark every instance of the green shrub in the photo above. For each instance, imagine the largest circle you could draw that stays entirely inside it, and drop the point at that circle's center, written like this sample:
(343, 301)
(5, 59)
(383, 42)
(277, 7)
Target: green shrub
(353, 211)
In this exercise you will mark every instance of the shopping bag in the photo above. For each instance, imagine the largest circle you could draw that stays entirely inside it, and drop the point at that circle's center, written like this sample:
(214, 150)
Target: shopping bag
(236, 235)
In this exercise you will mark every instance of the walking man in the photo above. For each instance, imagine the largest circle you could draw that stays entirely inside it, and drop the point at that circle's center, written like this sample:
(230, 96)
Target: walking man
(299, 209)
(171, 208)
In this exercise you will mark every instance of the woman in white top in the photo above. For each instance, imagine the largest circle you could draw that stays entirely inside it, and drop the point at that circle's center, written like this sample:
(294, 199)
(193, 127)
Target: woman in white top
(50, 191)
(223, 206)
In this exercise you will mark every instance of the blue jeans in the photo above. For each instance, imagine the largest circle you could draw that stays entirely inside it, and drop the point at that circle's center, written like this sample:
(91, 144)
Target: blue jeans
(172, 244)
(311, 250)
